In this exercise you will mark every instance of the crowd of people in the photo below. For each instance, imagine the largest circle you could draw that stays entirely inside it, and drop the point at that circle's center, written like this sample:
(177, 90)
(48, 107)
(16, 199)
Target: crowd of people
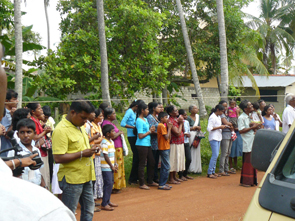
(83, 156)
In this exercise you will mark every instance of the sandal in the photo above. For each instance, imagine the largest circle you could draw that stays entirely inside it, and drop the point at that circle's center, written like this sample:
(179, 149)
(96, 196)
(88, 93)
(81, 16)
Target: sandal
(178, 180)
(96, 209)
(245, 185)
(224, 174)
(107, 208)
(216, 174)
(183, 178)
(232, 171)
(189, 177)
(168, 186)
(211, 176)
(153, 184)
(144, 187)
(164, 188)
(173, 182)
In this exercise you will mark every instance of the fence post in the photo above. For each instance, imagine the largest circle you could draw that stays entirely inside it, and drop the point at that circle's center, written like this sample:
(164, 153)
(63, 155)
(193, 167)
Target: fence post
(56, 114)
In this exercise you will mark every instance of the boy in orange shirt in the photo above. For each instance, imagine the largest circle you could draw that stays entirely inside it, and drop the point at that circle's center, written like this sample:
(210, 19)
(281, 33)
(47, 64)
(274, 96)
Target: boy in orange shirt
(164, 149)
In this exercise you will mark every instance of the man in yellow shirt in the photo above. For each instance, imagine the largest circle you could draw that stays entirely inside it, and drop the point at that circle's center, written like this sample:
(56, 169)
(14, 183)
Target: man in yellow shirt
(70, 146)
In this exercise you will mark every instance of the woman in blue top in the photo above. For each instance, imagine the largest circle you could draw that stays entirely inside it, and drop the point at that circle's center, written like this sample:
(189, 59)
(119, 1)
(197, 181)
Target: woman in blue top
(143, 145)
(128, 122)
(154, 110)
(269, 121)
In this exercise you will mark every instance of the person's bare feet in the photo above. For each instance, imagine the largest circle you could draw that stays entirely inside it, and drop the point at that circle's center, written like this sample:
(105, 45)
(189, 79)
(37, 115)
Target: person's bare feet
(189, 177)
(144, 187)
(183, 178)
(178, 180)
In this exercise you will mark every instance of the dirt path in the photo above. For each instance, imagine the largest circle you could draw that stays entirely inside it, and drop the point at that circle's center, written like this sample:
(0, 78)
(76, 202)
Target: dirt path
(198, 199)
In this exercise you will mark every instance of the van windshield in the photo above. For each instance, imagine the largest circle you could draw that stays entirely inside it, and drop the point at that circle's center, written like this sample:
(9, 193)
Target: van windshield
(285, 169)
(289, 167)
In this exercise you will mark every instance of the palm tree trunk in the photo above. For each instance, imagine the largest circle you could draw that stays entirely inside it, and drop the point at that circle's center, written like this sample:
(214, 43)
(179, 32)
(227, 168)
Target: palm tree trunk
(18, 51)
(165, 96)
(103, 53)
(47, 22)
(189, 52)
(273, 58)
(223, 51)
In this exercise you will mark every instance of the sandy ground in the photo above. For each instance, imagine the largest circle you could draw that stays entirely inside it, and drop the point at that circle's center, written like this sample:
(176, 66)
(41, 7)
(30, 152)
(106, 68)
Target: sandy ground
(198, 199)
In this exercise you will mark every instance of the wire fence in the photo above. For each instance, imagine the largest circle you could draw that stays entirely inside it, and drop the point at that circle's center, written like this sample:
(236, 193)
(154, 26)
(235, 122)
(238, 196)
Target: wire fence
(187, 98)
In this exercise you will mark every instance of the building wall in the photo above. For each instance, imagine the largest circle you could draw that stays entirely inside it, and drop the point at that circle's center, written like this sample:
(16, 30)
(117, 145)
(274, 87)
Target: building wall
(249, 94)
(210, 95)
(290, 89)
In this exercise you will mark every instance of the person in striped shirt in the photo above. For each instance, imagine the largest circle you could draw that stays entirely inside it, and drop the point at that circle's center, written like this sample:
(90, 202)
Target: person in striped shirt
(108, 166)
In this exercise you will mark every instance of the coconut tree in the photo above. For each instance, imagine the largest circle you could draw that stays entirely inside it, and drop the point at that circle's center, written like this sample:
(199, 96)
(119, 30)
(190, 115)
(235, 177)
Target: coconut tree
(273, 24)
(46, 4)
(18, 51)
(191, 60)
(103, 53)
(223, 51)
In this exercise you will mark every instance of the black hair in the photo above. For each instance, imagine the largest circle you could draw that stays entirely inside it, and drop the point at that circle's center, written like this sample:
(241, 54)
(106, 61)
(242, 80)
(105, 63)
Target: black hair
(29, 123)
(141, 106)
(181, 111)
(272, 105)
(232, 100)
(107, 112)
(32, 107)
(103, 106)
(255, 105)
(243, 105)
(217, 107)
(260, 101)
(222, 102)
(18, 115)
(107, 129)
(169, 109)
(81, 105)
(97, 112)
(135, 103)
(161, 115)
(11, 94)
(151, 106)
(92, 106)
(265, 109)
(46, 110)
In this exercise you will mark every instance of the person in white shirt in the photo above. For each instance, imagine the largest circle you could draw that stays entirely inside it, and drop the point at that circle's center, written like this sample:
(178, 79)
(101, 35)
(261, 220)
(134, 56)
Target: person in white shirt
(277, 118)
(289, 112)
(26, 132)
(215, 136)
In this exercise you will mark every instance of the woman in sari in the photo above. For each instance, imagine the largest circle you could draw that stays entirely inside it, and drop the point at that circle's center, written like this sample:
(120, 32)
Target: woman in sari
(246, 129)
(194, 122)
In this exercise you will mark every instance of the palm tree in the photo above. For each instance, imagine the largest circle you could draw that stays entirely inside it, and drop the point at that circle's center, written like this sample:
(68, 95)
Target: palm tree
(18, 51)
(203, 111)
(273, 25)
(223, 51)
(46, 4)
(103, 53)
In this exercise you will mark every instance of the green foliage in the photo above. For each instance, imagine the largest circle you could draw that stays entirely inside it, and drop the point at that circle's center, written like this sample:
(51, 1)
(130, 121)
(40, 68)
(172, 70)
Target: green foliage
(208, 109)
(135, 62)
(6, 10)
(234, 92)
(275, 25)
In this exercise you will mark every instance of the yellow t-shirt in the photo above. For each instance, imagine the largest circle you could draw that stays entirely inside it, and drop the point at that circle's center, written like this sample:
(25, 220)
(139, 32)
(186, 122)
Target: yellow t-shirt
(68, 138)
